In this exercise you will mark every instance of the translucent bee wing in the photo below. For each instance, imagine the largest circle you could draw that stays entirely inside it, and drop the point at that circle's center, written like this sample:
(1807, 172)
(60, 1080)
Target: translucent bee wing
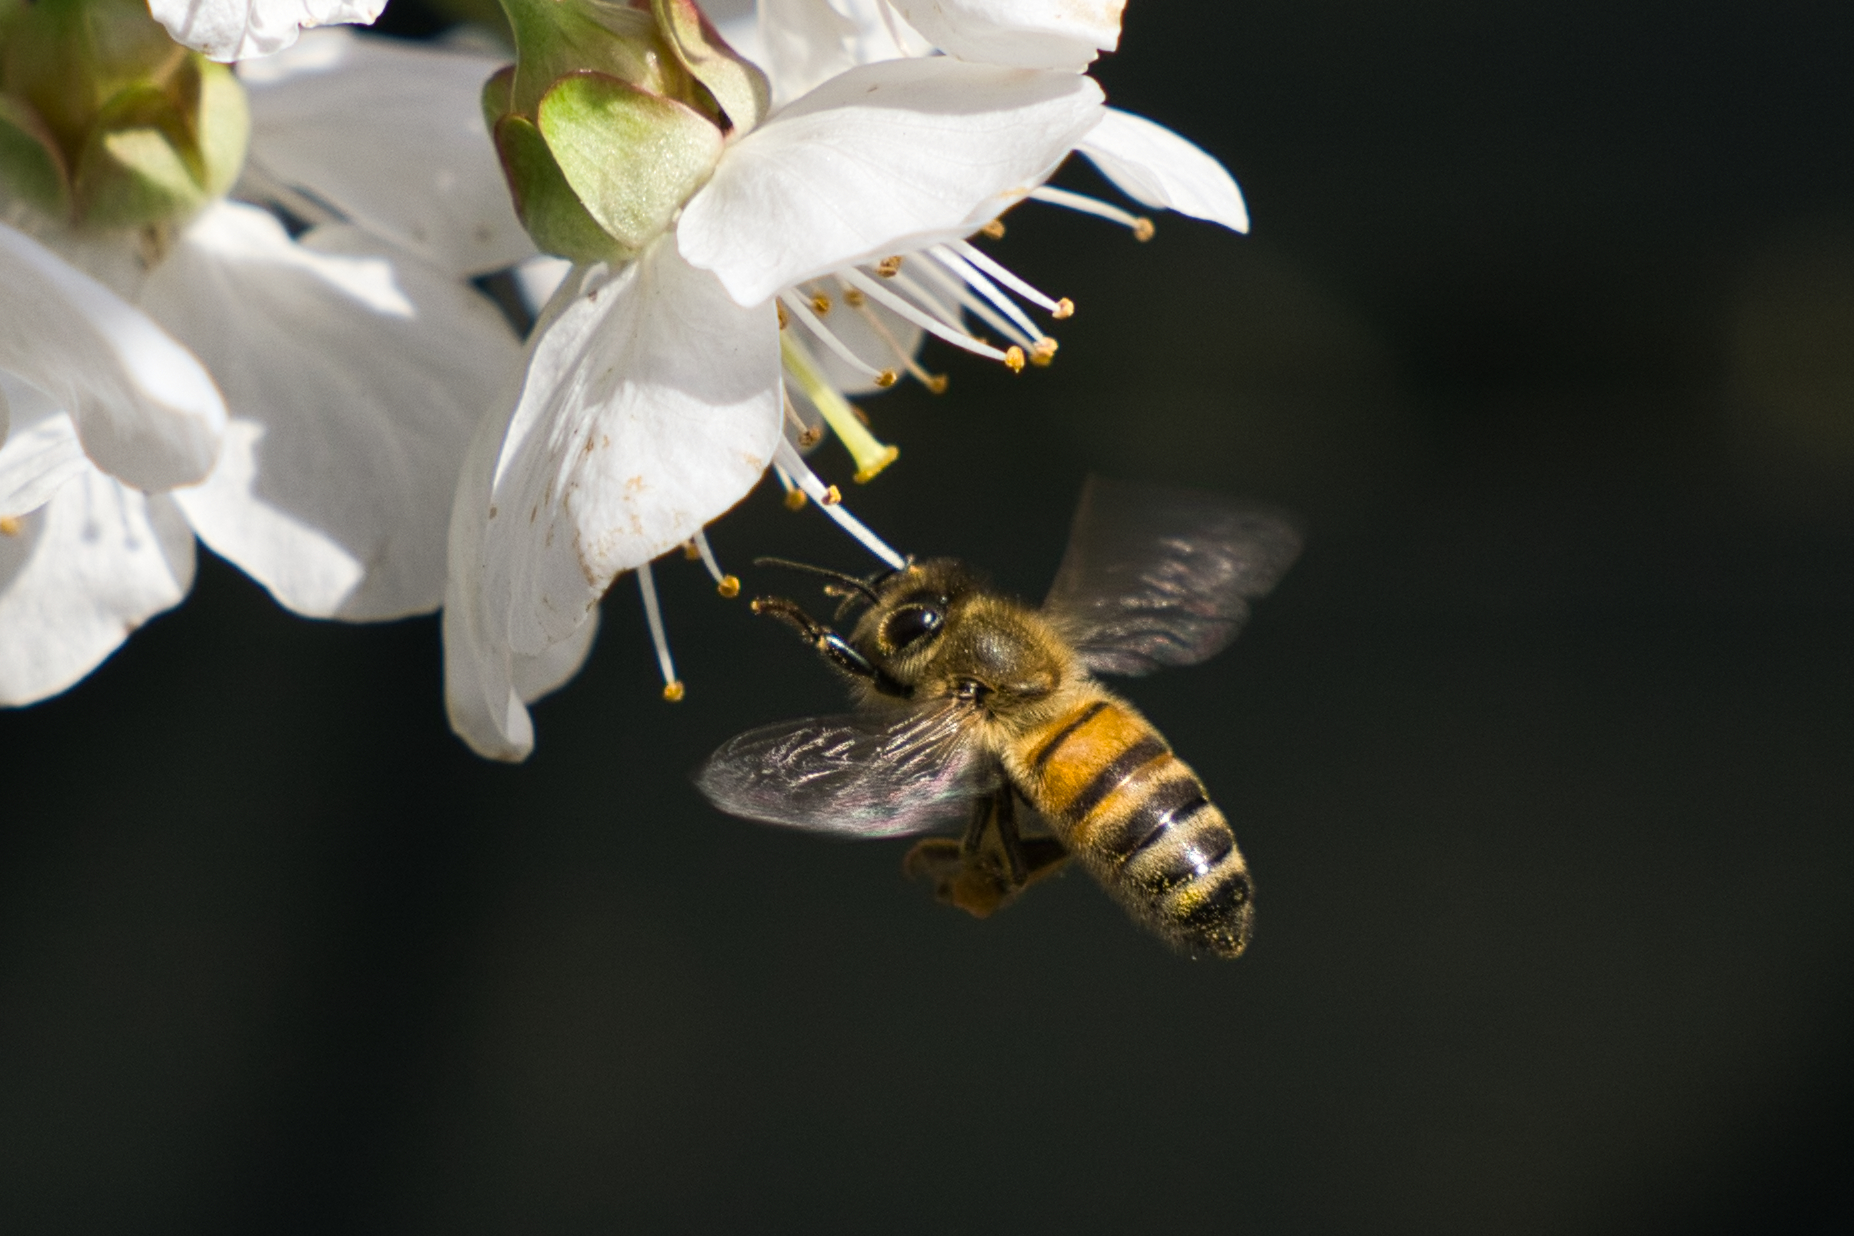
(1156, 576)
(859, 775)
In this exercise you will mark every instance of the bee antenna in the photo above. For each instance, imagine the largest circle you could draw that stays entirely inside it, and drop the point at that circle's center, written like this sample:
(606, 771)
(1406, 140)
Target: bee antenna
(847, 580)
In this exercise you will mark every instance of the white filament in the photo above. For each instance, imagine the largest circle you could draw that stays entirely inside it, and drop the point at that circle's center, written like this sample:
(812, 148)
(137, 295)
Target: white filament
(791, 467)
(647, 585)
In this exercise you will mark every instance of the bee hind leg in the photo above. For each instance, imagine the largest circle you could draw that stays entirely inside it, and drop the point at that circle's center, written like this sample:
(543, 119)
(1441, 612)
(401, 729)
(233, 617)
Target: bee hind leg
(986, 869)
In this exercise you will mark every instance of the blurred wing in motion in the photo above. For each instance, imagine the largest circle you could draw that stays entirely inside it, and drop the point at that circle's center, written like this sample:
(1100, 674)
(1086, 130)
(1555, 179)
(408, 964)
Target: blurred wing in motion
(854, 775)
(1156, 576)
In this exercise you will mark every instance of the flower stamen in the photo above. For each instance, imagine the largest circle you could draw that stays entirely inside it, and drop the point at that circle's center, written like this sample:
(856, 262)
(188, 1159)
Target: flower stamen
(795, 498)
(870, 454)
(653, 616)
(935, 382)
(792, 467)
(1139, 225)
(809, 435)
(972, 304)
(881, 377)
(725, 584)
(973, 278)
(927, 322)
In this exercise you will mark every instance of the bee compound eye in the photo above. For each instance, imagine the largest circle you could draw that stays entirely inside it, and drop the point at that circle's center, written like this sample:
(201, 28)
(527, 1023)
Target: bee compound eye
(910, 623)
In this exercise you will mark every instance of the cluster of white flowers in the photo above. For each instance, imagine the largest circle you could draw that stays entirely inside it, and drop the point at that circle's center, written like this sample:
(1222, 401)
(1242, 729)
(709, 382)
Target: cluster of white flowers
(296, 367)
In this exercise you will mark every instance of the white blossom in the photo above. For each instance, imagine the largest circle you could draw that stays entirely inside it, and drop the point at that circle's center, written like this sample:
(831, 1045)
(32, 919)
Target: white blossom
(653, 397)
(302, 404)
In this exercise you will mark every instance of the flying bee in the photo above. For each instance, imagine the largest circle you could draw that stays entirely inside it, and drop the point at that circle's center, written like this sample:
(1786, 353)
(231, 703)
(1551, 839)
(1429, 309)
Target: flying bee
(970, 704)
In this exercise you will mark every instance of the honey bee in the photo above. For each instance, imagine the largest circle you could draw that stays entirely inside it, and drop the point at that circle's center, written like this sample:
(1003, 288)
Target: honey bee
(971, 704)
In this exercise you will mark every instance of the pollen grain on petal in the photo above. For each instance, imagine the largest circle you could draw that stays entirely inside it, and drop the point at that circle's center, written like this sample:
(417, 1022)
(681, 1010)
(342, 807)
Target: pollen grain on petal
(9, 526)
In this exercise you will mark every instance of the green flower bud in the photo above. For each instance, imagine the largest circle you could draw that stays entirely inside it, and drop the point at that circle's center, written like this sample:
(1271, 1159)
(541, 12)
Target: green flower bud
(612, 117)
(106, 122)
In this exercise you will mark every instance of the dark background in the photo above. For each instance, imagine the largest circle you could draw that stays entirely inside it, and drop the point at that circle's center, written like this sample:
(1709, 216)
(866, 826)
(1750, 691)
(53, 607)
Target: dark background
(1543, 754)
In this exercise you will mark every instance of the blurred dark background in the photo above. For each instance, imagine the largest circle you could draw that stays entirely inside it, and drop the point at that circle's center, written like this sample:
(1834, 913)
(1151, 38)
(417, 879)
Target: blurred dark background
(1543, 754)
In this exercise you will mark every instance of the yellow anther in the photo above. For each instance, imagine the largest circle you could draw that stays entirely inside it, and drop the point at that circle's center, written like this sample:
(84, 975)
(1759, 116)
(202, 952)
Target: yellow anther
(673, 691)
(833, 495)
(870, 470)
(1065, 308)
(783, 320)
(1042, 352)
(794, 501)
(1014, 359)
(8, 526)
(994, 229)
(889, 267)
(820, 304)
(935, 382)
(810, 436)
(1142, 229)
(887, 378)
(690, 552)
(854, 297)
(729, 586)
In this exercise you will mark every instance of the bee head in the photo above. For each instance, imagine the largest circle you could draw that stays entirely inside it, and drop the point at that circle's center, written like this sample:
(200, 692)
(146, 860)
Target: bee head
(937, 628)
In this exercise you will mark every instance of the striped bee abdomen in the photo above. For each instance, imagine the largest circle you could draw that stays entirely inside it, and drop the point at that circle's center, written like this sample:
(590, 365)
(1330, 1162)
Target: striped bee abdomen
(1139, 819)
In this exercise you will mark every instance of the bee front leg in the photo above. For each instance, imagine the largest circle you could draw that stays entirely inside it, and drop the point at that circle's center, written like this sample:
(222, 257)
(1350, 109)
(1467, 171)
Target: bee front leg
(829, 645)
(986, 869)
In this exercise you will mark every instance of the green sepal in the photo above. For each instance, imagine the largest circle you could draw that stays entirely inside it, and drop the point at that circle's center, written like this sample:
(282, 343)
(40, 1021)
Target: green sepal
(221, 127)
(498, 96)
(139, 164)
(632, 158)
(555, 218)
(556, 37)
(736, 84)
(31, 169)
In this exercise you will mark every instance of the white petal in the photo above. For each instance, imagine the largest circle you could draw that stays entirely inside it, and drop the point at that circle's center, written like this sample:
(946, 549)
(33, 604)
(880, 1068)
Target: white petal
(80, 574)
(146, 409)
(804, 43)
(651, 405)
(1153, 165)
(1034, 34)
(40, 454)
(391, 135)
(881, 159)
(243, 29)
(355, 375)
(486, 683)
